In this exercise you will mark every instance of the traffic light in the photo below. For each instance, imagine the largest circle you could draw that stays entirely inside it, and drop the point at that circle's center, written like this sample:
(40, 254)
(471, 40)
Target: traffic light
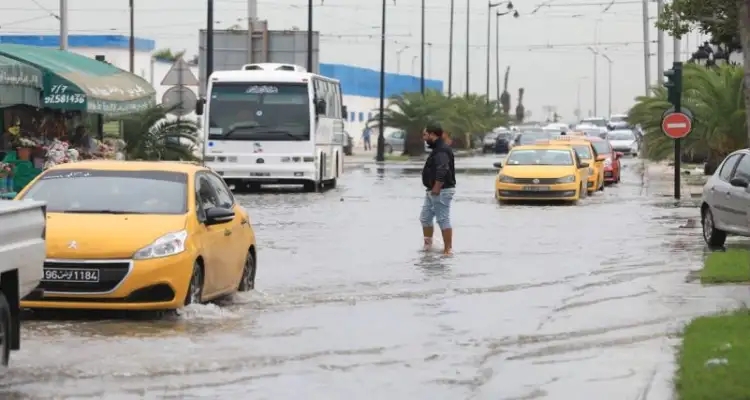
(674, 84)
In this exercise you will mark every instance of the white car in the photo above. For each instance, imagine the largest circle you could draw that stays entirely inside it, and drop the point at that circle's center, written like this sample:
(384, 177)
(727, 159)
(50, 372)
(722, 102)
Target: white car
(725, 205)
(624, 141)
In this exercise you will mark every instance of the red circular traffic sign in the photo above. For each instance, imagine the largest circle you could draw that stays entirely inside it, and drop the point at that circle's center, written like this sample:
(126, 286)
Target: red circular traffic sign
(676, 125)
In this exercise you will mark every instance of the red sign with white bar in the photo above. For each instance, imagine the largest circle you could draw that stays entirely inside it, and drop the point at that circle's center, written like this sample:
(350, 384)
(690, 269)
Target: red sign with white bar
(676, 125)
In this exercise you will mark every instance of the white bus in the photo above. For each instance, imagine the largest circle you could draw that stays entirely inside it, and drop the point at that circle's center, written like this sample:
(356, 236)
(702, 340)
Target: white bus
(273, 124)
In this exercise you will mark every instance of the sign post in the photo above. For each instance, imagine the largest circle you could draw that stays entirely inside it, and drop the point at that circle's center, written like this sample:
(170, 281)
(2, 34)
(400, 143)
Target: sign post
(675, 123)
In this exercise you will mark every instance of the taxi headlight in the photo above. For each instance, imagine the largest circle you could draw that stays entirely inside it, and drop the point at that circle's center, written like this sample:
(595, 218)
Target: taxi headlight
(168, 245)
(505, 179)
(607, 162)
(567, 179)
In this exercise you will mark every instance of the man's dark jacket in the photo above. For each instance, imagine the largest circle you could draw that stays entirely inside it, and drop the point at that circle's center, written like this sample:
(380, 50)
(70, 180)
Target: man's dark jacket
(440, 167)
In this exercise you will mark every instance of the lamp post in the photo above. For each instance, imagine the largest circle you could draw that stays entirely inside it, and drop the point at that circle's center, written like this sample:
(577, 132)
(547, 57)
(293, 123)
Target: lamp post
(209, 39)
(703, 56)
(609, 82)
(497, 47)
(468, 42)
(596, 54)
(380, 156)
(309, 36)
(421, 72)
(450, 50)
(131, 44)
(490, 6)
(398, 58)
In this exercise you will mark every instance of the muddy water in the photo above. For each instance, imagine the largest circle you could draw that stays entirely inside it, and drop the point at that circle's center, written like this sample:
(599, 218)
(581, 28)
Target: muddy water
(555, 302)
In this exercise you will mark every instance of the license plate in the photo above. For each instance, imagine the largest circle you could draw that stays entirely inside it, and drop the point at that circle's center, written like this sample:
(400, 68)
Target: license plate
(260, 174)
(536, 188)
(71, 275)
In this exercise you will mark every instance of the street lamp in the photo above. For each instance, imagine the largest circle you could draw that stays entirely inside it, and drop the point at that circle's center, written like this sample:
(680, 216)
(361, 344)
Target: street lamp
(490, 6)
(596, 54)
(398, 58)
(309, 36)
(497, 48)
(380, 156)
(421, 73)
(703, 56)
(609, 83)
(450, 51)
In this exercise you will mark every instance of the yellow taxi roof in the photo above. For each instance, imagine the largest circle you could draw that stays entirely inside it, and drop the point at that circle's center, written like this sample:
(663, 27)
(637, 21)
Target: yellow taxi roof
(117, 165)
(542, 146)
(570, 139)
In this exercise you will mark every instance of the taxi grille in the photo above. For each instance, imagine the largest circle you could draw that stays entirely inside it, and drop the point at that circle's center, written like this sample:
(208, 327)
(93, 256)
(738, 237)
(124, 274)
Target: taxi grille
(542, 181)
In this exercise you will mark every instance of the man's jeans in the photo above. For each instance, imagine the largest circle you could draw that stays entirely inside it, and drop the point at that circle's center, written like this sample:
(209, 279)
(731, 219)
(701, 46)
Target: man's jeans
(437, 208)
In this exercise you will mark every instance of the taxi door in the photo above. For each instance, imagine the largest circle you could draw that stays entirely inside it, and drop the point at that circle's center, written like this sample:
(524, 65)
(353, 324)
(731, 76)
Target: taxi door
(213, 238)
(237, 244)
(583, 173)
(599, 165)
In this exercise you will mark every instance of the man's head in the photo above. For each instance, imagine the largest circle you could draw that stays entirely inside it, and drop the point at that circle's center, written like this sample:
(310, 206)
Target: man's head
(432, 133)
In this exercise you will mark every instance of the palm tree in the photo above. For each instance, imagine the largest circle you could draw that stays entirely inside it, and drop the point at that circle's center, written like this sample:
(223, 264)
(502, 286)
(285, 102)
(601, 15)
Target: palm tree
(154, 135)
(461, 116)
(520, 109)
(716, 99)
(505, 97)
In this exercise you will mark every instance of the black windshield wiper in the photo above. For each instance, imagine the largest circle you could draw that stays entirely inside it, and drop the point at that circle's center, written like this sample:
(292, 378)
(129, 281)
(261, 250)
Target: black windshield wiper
(241, 125)
(117, 212)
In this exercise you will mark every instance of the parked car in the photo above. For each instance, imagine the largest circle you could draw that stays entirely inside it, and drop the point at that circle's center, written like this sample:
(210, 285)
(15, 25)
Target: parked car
(725, 204)
(488, 143)
(394, 141)
(503, 142)
(530, 136)
(138, 235)
(348, 144)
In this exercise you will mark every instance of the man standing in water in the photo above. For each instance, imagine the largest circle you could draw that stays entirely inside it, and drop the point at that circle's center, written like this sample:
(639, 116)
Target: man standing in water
(439, 179)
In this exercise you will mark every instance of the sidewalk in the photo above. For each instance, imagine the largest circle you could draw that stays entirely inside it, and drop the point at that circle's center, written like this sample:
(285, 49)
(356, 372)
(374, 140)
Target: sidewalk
(658, 179)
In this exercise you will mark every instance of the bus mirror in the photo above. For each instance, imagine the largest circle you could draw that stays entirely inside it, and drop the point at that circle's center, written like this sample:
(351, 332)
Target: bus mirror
(199, 106)
(344, 112)
(320, 107)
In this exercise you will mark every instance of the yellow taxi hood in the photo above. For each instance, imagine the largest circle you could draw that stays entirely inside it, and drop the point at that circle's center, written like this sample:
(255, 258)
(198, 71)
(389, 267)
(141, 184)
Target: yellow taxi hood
(538, 171)
(105, 236)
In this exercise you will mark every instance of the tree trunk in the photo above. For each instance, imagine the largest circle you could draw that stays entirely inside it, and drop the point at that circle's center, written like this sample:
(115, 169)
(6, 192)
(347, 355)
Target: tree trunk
(413, 144)
(744, 22)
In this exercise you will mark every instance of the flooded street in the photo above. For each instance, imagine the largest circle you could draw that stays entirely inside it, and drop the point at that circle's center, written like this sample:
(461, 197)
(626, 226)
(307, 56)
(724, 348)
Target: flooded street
(548, 302)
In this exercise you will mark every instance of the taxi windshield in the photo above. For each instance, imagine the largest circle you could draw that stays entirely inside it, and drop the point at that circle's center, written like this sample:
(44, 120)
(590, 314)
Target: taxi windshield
(540, 157)
(583, 151)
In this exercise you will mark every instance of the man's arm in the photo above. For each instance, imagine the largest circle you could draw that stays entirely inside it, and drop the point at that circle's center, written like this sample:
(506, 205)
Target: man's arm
(442, 167)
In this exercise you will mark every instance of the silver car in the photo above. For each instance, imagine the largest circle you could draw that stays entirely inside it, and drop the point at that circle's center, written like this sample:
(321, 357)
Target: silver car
(394, 141)
(725, 205)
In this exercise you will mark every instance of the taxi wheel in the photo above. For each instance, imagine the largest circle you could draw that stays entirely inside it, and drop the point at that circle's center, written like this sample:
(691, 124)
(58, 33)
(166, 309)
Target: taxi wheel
(5, 331)
(601, 186)
(247, 282)
(195, 289)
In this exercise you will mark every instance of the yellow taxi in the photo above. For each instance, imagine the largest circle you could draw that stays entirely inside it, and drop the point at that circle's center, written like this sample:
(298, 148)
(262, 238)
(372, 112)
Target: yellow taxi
(544, 171)
(587, 153)
(139, 235)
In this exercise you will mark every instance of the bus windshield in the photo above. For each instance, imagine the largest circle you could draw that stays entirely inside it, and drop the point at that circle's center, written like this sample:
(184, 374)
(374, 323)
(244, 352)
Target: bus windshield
(277, 111)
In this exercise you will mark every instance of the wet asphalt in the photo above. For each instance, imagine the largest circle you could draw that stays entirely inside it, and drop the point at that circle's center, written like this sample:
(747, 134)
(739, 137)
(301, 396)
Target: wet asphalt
(547, 302)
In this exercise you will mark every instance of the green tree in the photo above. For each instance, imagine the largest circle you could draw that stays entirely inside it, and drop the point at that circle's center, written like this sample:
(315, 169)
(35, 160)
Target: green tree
(505, 97)
(154, 135)
(715, 97)
(167, 55)
(461, 116)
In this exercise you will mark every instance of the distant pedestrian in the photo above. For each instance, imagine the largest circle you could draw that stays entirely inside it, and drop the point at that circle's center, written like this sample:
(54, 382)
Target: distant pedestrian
(439, 180)
(366, 137)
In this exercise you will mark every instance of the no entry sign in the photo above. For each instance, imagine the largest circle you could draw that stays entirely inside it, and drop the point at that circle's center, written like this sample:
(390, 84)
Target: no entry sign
(676, 125)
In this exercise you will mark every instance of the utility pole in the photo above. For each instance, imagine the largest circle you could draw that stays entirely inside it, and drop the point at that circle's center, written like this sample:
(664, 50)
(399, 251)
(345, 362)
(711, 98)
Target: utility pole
(63, 24)
(310, 36)
(421, 71)
(609, 84)
(209, 40)
(468, 42)
(450, 51)
(497, 55)
(659, 39)
(380, 156)
(646, 48)
(490, 6)
(132, 37)
(596, 56)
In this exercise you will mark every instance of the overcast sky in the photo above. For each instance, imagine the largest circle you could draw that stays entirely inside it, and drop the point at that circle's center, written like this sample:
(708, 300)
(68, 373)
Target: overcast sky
(546, 47)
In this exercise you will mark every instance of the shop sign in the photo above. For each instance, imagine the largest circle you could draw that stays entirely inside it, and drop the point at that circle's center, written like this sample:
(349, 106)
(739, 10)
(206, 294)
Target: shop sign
(18, 77)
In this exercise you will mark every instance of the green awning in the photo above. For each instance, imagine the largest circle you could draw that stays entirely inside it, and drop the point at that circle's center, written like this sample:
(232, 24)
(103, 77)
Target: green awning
(19, 83)
(75, 82)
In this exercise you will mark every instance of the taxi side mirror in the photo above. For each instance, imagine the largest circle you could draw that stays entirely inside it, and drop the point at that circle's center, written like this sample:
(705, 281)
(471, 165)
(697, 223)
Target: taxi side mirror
(600, 158)
(583, 165)
(497, 165)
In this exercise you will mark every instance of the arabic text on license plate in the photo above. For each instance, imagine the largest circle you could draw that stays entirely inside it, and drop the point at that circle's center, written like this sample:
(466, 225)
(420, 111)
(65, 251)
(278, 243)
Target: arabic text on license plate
(260, 174)
(70, 275)
(536, 188)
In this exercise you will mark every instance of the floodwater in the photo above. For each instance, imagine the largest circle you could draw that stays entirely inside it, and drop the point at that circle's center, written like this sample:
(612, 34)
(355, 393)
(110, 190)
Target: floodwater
(538, 302)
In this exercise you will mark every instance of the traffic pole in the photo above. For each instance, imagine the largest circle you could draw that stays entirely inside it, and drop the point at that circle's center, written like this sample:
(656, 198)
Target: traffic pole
(677, 142)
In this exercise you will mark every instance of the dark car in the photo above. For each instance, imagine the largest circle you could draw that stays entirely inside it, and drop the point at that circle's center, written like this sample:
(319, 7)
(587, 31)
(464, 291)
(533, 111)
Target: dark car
(531, 137)
(348, 144)
(503, 142)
